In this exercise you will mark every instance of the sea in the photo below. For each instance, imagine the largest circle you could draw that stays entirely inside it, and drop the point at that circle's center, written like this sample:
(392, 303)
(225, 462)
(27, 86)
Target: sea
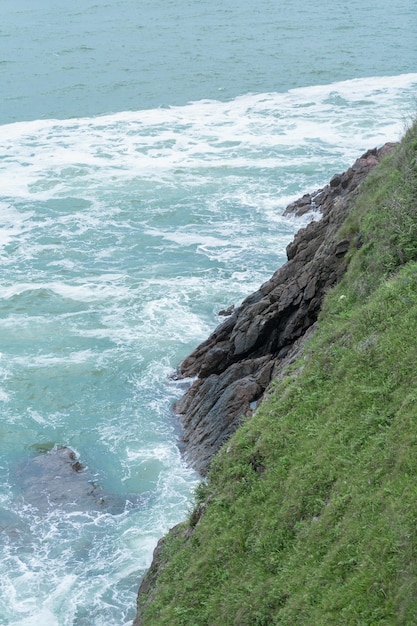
(147, 152)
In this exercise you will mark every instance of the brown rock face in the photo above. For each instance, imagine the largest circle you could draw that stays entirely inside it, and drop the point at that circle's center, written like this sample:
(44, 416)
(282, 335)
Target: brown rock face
(235, 365)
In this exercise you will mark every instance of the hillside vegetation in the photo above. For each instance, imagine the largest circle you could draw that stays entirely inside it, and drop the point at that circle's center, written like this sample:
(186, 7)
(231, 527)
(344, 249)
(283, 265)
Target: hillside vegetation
(310, 510)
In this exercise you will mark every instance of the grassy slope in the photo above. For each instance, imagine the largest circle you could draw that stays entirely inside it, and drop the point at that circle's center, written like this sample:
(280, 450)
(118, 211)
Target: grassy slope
(312, 513)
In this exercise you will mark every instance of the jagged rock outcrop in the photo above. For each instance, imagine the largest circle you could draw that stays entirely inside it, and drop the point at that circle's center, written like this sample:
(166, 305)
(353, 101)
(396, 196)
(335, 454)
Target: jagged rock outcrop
(235, 365)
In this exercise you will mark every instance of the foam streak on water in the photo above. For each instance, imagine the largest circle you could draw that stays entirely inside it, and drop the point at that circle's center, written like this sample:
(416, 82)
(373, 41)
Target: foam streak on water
(121, 237)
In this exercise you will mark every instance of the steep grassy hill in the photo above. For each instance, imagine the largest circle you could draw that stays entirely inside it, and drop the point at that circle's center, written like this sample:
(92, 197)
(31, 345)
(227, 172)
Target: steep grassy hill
(309, 515)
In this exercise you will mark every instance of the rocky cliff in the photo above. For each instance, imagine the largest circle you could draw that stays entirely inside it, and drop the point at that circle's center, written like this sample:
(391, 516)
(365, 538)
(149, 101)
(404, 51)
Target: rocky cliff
(235, 365)
(233, 368)
(308, 509)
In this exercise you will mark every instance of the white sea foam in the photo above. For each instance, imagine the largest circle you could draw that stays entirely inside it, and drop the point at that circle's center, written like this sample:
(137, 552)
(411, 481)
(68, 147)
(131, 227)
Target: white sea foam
(45, 158)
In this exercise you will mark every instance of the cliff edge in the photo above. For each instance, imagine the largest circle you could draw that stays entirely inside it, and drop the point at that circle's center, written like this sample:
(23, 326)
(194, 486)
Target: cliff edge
(236, 364)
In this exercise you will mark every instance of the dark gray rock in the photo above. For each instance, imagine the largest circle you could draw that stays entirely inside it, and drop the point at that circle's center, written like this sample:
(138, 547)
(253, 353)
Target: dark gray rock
(212, 409)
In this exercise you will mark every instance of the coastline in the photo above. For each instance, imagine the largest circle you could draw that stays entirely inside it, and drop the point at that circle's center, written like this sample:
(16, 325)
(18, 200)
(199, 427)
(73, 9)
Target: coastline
(235, 365)
(257, 343)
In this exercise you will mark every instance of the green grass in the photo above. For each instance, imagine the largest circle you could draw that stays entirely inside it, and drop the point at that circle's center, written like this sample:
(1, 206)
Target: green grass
(311, 515)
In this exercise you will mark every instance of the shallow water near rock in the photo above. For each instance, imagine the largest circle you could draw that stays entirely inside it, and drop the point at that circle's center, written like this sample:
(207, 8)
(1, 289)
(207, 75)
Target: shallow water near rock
(56, 478)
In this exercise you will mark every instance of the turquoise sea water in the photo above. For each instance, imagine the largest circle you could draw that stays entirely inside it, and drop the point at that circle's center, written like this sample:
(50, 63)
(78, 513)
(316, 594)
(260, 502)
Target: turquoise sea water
(147, 151)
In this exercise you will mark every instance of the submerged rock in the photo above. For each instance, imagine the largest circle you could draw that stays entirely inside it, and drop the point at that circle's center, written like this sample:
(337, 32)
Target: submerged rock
(56, 478)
